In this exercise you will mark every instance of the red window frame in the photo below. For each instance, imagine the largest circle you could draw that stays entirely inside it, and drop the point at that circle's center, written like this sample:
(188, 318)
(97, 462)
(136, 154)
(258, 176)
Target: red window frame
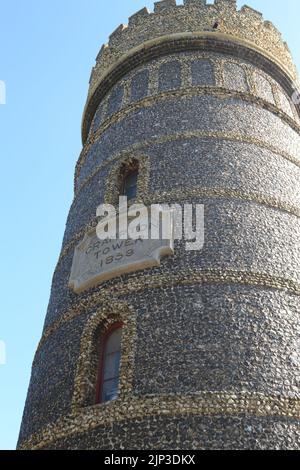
(100, 382)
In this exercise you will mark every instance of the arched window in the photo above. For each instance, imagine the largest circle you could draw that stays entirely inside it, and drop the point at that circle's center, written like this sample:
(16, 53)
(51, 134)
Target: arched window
(109, 369)
(129, 174)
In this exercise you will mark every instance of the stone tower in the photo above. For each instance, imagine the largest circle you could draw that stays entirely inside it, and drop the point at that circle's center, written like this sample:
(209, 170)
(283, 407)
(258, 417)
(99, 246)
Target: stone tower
(198, 97)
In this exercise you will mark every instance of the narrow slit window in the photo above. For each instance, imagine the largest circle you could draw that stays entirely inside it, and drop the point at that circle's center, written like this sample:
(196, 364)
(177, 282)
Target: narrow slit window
(109, 373)
(130, 184)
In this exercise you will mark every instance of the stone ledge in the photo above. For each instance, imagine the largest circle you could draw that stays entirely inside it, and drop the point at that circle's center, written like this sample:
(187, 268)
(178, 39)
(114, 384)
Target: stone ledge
(218, 92)
(206, 41)
(159, 281)
(138, 407)
(167, 197)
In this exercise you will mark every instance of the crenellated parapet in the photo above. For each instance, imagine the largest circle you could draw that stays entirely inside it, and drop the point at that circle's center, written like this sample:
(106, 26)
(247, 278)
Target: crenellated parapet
(195, 18)
(195, 15)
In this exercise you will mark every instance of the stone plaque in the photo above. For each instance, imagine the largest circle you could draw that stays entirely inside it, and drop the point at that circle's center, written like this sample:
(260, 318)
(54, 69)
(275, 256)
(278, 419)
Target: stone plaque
(98, 260)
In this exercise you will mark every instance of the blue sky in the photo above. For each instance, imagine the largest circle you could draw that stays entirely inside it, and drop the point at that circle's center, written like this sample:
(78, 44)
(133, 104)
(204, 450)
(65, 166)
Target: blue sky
(48, 48)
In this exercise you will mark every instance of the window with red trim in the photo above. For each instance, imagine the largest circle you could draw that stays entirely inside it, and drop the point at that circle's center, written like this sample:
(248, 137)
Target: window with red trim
(109, 370)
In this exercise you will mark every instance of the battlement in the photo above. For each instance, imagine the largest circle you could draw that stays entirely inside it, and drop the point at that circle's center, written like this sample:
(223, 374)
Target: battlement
(195, 17)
